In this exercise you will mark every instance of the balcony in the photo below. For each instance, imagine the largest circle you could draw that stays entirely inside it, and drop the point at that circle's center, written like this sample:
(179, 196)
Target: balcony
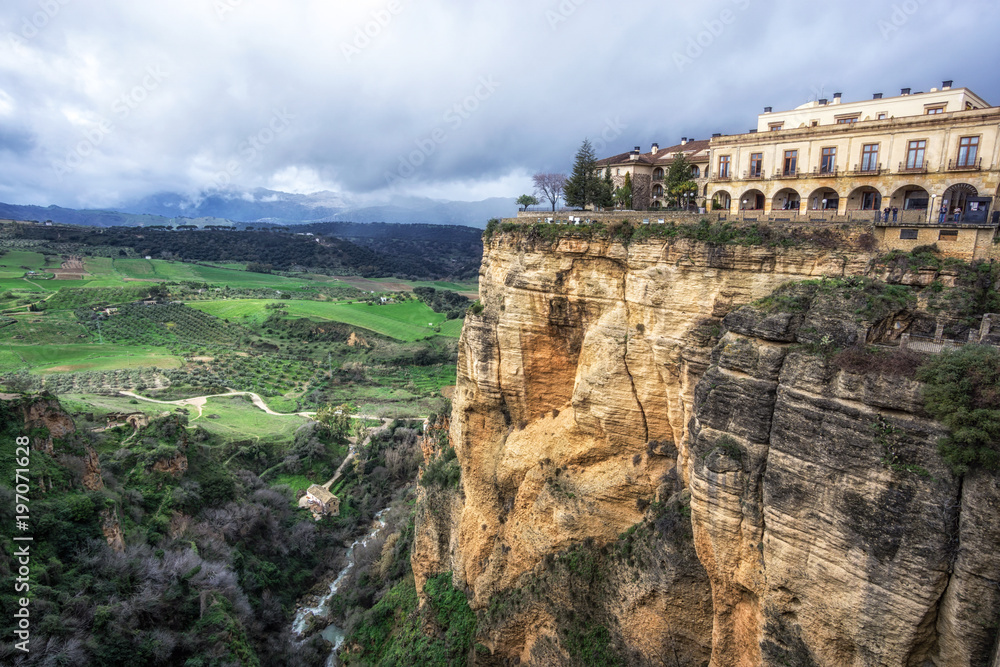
(757, 175)
(973, 165)
(867, 170)
(722, 177)
(819, 172)
(786, 173)
(903, 169)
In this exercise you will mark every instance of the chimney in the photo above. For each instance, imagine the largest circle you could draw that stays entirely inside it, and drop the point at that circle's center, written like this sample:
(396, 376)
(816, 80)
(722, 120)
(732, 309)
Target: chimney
(836, 97)
(905, 91)
(684, 141)
(823, 102)
(946, 85)
(877, 96)
(655, 148)
(635, 154)
(717, 134)
(767, 109)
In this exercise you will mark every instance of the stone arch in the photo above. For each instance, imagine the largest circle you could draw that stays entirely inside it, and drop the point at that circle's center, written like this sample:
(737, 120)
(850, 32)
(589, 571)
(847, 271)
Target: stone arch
(910, 198)
(786, 199)
(957, 194)
(722, 200)
(752, 200)
(865, 198)
(657, 190)
(658, 174)
(823, 199)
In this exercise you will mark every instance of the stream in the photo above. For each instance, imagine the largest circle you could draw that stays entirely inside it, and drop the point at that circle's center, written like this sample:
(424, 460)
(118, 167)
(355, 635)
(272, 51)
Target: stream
(332, 633)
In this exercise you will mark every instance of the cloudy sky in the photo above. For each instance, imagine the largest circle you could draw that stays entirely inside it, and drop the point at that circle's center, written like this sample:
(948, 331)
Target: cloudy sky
(102, 103)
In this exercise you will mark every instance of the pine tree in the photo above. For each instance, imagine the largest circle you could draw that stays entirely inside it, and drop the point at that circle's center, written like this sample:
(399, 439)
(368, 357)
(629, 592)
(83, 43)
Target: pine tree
(585, 185)
(623, 195)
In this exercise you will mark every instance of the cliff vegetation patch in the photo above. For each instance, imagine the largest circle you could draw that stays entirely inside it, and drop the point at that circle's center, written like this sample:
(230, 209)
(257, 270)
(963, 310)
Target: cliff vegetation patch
(963, 392)
(707, 231)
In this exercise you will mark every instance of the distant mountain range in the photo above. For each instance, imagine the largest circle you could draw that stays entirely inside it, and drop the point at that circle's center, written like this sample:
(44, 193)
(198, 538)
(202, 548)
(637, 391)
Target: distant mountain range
(261, 205)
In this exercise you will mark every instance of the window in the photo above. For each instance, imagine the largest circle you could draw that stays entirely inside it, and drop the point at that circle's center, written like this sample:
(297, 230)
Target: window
(695, 172)
(828, 163)
(791, 160)
(915, 154)
(756, 165)
(909, 234)
(932, 111)
(775, 126)
(968, 149)
(847, 120)
(723, 166)
(948, 235)
(869, 157)
(618, 172)
(882, 116)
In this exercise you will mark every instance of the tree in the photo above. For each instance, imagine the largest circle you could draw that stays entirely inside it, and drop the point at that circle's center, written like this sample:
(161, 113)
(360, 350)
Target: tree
(623, 195)
(683, 191)
(606, 195)
(678, 181)
(585, 186)
(524, 201)
(550, 186)
(336, 419)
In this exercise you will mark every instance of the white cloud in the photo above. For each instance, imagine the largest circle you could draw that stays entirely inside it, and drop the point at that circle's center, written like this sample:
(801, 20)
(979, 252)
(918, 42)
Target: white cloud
(357, 113)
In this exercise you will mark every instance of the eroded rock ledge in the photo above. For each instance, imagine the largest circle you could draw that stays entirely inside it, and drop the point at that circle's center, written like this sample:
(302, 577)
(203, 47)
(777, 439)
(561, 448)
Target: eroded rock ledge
(600, 384)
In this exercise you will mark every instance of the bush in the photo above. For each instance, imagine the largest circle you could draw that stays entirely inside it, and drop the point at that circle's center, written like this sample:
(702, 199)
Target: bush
(963, 392)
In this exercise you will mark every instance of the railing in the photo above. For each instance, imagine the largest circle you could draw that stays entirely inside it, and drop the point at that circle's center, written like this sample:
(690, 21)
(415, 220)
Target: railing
(903, 169)
(825, 173)
(723, 177)
(862, 171)
(754, 175)
(786, 173)
(975, 165)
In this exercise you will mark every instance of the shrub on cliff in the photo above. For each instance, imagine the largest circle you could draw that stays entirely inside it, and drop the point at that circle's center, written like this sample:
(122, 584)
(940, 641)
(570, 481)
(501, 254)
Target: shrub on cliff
(963, 392)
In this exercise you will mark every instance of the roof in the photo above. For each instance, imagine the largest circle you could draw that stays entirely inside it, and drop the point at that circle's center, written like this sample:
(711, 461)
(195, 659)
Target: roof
(663, 156)
(320, 493)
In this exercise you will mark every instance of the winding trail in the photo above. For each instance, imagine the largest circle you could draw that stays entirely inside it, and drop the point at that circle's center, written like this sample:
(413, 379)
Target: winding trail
(200, 401)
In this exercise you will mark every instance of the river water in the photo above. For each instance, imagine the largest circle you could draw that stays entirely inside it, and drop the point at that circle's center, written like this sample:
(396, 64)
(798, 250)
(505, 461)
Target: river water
(332, 633)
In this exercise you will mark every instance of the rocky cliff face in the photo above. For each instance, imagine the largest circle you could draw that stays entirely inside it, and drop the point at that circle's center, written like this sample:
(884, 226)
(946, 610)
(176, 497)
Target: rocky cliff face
(831, 529)
(604, 385)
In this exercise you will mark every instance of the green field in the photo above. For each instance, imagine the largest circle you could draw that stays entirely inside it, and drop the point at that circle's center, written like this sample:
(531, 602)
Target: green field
(82, 357)
(14, 263)
(407, 321)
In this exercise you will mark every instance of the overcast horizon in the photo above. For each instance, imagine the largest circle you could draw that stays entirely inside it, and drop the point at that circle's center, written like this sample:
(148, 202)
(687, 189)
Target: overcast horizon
(104, 105)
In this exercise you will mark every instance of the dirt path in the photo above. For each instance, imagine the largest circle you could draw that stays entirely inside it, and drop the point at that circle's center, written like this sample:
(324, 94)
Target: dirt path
(200, 401)
(374, 430)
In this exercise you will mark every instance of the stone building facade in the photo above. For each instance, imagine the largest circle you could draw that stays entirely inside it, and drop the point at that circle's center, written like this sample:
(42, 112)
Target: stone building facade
(648, 170)
(918, 153)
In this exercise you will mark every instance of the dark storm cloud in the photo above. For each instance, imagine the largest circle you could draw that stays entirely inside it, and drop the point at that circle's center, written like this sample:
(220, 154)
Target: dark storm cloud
(458, 100)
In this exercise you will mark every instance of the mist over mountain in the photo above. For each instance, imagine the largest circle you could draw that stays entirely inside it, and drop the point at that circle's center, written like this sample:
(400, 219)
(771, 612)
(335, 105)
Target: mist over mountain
(261, 205)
